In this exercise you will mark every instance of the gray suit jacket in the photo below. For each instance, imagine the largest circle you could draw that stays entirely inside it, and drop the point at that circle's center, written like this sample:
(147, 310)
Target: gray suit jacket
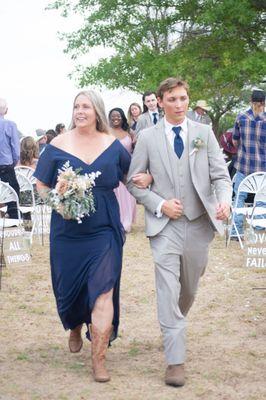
(204, 119)
(208, 171)
(145, 121)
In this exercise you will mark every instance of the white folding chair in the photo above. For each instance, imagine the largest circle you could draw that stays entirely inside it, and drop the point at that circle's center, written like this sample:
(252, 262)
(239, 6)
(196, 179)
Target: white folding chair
(27, 171)
(25, 185)
(7, 194)
(257, 220)
(250, 184)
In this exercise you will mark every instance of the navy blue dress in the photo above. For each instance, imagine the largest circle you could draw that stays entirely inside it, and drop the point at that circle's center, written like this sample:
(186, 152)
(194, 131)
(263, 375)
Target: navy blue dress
(86, 258)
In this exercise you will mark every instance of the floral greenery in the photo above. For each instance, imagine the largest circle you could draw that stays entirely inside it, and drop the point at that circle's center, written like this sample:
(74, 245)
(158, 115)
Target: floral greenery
(217, 46)
(72, 196)
(198, 143)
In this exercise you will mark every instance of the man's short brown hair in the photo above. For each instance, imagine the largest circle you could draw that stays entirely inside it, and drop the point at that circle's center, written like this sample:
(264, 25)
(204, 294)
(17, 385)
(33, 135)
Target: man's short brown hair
(169, 84)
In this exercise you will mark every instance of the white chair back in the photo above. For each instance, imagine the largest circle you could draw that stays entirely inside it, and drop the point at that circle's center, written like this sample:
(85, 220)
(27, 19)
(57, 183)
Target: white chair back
(252, 183)
(27, 171)
(25, 185)
(7, 194)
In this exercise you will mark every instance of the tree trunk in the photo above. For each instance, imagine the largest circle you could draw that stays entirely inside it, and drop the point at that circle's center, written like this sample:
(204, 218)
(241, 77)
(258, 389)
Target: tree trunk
(215, 126)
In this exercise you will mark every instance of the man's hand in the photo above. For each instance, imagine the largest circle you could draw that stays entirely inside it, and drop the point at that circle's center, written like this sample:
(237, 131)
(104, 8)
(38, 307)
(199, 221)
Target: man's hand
(222, 211)
(142, 180)
(172, 208)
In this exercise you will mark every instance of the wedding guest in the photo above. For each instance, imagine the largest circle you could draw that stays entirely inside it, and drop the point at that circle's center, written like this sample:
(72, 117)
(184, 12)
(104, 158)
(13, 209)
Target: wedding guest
(9, 155)
(50, 135)
(200, 113)
(127, 203)
(183, 207)
(151, 112)
(60, 128)
(133, 114)
(229, 151)
(41, 139)
(249, 137)
(86, 258)
(29, 152)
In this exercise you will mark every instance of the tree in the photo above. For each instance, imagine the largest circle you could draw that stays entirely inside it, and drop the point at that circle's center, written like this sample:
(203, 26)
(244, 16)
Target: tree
(217, 45)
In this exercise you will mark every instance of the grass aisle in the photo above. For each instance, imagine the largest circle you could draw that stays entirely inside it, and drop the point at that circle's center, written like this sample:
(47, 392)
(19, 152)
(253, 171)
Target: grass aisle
(226, 334)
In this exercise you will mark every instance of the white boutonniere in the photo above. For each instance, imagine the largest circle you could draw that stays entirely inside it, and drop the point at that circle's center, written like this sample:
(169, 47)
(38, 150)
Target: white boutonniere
(197, 144)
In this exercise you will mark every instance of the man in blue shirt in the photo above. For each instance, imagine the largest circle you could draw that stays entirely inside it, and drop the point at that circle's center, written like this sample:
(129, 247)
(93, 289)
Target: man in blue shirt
(9, 155)
(249, 136)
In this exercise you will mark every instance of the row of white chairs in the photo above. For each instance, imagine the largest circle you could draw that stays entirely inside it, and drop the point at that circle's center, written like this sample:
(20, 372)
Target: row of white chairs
(26, 182)
(254, 213)
(254, 183)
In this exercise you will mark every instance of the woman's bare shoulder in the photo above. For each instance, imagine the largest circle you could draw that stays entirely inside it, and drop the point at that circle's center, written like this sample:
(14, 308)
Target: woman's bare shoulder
(109, 138)
(60, 141)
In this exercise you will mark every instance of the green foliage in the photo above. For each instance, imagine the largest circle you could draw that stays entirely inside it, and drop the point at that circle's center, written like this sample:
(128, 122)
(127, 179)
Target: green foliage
(217, 45)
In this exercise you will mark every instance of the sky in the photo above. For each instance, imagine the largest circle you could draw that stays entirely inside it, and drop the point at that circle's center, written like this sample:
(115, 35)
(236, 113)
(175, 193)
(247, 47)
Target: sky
(34, 70)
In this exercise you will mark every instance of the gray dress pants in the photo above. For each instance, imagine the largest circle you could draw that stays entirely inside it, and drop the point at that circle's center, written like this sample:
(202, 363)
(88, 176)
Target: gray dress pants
(180, 253)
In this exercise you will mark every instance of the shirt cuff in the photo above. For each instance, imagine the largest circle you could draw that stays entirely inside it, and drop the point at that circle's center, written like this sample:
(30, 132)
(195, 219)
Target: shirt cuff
(158, 211)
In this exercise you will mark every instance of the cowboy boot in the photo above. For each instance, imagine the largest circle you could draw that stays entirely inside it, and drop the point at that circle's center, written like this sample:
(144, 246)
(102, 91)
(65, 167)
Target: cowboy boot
(99, 345)
(75, 341)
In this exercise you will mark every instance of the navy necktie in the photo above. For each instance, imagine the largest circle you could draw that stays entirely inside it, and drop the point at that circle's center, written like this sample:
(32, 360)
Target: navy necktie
(178, 142)
(155, 119)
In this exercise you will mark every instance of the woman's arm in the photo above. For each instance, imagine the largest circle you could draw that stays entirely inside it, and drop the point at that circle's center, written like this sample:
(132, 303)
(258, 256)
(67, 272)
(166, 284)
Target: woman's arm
(142, 180)
(42, 189)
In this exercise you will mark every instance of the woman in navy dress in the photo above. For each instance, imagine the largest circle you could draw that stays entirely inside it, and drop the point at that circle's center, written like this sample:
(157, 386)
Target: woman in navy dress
(86, 258)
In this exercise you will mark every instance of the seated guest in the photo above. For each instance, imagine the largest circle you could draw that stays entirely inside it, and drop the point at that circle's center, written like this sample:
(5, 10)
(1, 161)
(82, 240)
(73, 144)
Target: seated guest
(29, 152)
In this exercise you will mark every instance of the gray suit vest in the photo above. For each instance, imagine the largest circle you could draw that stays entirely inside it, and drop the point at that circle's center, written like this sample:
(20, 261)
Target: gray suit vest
(184, 188)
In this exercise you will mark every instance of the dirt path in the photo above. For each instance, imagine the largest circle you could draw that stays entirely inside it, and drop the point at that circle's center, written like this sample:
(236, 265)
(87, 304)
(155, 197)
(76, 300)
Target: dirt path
(226, 334)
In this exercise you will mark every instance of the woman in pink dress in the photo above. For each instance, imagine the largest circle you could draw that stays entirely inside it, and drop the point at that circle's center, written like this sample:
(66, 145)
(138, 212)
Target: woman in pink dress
(127, 203)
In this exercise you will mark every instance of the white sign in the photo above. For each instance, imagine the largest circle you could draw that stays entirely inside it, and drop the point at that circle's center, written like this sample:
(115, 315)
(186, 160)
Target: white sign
(255, 249)
(16, 246)
(43, 217)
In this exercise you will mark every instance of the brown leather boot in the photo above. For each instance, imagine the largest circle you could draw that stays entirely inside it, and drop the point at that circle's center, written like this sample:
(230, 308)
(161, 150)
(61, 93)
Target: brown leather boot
(75, 341)
(175, 375)
(99, 345)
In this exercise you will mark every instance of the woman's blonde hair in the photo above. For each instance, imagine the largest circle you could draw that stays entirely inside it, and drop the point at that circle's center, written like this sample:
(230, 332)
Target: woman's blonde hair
(99, 108)
(28, 150)
(129, 114)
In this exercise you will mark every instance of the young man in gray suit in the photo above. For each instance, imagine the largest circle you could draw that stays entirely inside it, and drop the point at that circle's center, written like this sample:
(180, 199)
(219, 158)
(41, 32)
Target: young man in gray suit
(151, 114)
(187, 201)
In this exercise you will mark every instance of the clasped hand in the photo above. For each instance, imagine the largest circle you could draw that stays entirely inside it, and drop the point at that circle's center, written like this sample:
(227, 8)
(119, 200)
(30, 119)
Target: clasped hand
(222, 211)
(172, 208)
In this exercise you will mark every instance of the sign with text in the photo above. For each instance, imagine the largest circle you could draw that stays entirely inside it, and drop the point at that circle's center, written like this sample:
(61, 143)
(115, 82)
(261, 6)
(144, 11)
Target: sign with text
(16, 246)
(255, 244)
(43, 217)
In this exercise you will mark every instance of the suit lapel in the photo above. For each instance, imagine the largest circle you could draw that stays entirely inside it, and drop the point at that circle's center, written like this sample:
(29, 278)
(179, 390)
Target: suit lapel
(192, 134)
(162, 147)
